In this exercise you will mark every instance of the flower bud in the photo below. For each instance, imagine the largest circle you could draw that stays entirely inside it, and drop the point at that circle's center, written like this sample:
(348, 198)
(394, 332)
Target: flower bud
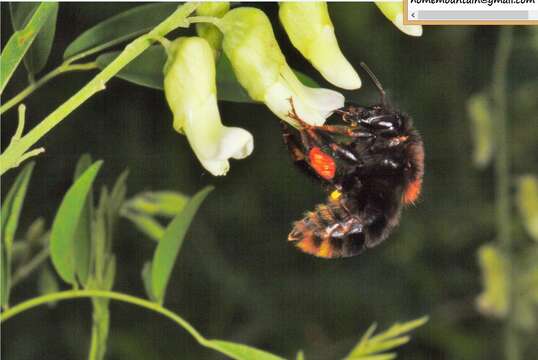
(208, 31)
(394, 12)
(190, 89)
(311, 31)
(260, 67)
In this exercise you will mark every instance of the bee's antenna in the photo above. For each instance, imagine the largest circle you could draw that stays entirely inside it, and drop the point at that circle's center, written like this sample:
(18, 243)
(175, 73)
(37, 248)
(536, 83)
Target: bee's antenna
(376, 83)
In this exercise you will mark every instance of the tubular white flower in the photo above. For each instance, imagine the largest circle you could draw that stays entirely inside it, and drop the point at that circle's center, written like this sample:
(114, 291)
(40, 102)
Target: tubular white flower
(191, 92)
(260, 67)
(311, 31)
(394, 12)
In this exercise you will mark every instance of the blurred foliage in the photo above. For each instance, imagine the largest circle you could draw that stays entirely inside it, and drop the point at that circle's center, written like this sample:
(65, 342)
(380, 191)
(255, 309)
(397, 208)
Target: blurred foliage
(237, 277)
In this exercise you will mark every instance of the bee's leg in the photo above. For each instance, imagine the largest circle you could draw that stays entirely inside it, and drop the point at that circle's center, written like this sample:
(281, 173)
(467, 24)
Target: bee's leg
(296, 151)
(345, 131)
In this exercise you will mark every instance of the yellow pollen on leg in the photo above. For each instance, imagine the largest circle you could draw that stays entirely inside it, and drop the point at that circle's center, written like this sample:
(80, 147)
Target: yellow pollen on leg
(335, 195)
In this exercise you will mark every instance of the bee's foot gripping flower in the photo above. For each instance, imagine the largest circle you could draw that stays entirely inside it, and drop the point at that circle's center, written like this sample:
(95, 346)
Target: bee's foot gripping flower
(260, 67)
(190, 89)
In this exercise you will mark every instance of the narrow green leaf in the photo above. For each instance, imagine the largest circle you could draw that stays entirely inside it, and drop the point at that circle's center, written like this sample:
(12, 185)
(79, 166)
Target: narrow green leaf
(20, 42)
(35, 232)
(83, 163)
(62, 237)
(372, 347)
(146, 224)
(157, 203)
(147, 70)
(100, 235)
(389, 356)
(38, 54)
(4, 277)
(10, 213)
(400, 329)
(478, 109)
(146, 280)
(386, 344)
(83, 232)
(120, 28)
(300, 355)
(170, 244)
(12, 205)
(364, 339)
(109, 273)
(240, 351)
(527, 202)
(47, 283)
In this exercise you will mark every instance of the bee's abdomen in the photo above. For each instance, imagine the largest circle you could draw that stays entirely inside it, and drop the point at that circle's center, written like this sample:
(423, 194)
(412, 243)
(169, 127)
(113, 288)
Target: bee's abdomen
(329, 232)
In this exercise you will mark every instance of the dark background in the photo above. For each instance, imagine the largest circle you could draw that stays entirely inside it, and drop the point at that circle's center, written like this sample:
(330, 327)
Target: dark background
(237, 278)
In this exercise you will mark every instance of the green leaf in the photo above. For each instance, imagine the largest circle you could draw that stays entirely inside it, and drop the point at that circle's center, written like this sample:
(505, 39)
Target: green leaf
(240, 351)
(5, 274)
(300, 355)
(120, 28)
(146, 279)
(372, 347)
(20, 42)
(157, 203)
(12, 205)
(10, 213)
(170, 244)
(478, 109)
(47, 283)
(64, 227)
(83, 234)
(527, 202)
(38, 54)
(83, 163)
(147, 70)
(146, 224)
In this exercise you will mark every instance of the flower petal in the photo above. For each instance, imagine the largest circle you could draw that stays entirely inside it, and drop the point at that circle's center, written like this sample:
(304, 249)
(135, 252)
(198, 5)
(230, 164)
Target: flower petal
(394, 12)
(191, 93)
(311, 31)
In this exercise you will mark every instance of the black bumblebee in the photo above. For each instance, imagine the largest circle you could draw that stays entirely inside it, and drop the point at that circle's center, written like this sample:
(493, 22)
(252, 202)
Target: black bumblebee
(371, 160)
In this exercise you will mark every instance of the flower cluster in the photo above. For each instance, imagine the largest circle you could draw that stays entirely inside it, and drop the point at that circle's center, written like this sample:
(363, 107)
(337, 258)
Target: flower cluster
(246, 37)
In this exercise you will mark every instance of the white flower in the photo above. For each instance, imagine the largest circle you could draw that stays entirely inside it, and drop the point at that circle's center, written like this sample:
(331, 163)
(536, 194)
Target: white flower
(190, 90)
(394, 12)
(311, 31)
(260, 67)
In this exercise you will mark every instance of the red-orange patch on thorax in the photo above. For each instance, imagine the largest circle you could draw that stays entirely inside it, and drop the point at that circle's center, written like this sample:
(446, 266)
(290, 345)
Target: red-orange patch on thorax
(322, 163)
(412, 191)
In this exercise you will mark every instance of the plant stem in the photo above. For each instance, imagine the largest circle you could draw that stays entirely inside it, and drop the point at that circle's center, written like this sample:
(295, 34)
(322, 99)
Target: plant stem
(502, 193)
(12, 155)
(100, 328)
(64, 68)
(206, 20)
(74, 294)
(27, 269)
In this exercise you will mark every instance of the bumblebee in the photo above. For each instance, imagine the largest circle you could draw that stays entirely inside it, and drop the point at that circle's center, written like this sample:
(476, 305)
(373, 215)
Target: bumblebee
(371, 161)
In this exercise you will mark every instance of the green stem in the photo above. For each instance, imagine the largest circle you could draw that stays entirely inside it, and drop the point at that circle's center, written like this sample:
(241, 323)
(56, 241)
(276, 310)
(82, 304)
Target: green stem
(27, 269)
(502, 193)
(64, 68)
(74, 294)
(207, 20)
(12, 155)
(100, 328)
